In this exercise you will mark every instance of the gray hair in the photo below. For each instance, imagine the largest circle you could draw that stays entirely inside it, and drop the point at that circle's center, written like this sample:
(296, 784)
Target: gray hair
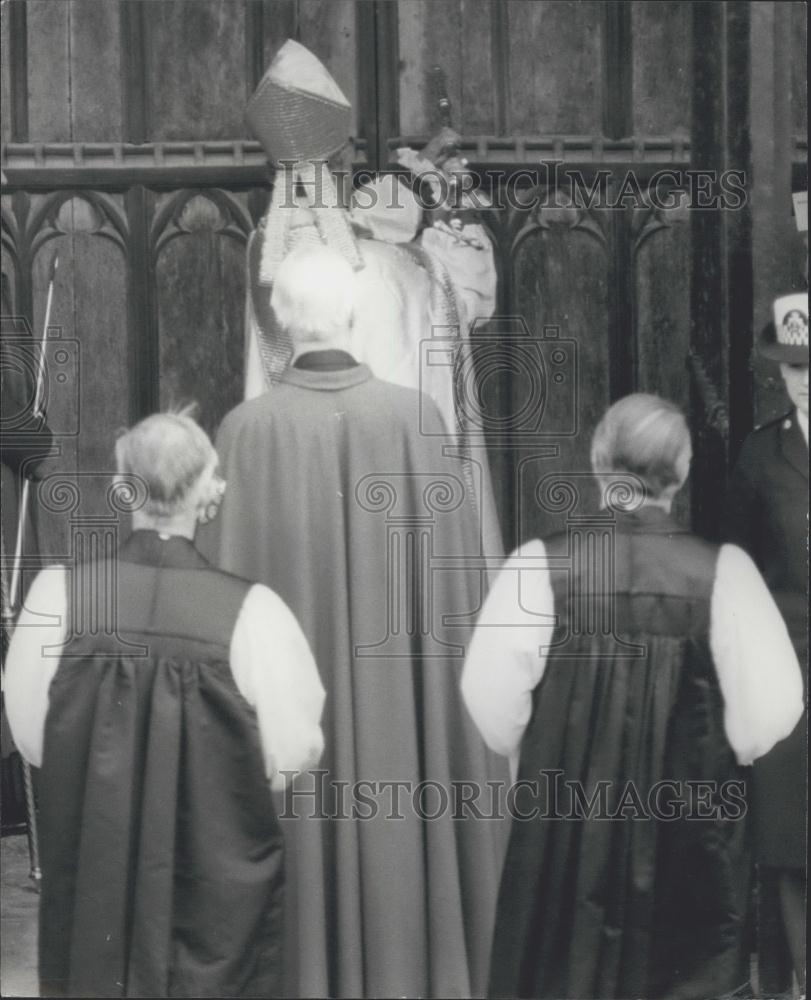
(314, 294)
(644, 435)
(169, 452)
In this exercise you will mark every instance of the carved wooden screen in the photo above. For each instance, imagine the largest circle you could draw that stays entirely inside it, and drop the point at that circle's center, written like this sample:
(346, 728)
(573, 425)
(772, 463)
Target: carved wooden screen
(631, 89)
(125, 149)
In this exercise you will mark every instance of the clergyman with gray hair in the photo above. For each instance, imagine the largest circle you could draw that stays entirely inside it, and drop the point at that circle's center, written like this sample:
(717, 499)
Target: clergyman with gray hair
(159, 741)
(339, 497)
(631, 671)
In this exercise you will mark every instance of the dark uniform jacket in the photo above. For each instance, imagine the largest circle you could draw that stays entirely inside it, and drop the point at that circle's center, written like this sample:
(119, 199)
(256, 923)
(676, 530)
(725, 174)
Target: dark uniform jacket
(768, 516)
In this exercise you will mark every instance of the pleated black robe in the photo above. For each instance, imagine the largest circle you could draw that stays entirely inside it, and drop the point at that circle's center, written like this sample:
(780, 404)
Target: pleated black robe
(162, 858)
(639, 905)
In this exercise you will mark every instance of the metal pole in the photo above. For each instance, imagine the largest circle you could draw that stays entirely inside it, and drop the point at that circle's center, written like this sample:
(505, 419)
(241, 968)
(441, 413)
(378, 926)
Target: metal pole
(10, 602)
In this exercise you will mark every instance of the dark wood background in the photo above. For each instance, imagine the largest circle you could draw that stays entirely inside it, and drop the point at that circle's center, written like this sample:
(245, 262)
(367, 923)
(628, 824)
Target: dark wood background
(124, 148)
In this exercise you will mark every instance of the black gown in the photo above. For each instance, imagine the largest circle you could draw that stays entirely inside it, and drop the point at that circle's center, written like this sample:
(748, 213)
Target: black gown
(640, 906)
(162, 858)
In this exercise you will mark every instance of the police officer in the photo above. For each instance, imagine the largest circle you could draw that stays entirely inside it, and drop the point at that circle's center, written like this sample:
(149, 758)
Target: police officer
(768, 516)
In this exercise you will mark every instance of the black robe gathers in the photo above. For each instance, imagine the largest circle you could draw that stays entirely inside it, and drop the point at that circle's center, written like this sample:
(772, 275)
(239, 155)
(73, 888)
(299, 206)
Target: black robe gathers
(162, 858)
(623, 902)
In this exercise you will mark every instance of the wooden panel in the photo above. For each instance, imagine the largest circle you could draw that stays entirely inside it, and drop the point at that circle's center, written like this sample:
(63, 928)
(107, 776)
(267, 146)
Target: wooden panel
(560, 279)
(477, 110)
(429, 35)
(327, 27)
(49, 71)
(90, 306)
(6, 43)
(457, 37)
(196, 69)
(662, 298)
(661, 66)
(555, 57)
(278, 23)
(200, 296)
(799, 67)
(95, 70)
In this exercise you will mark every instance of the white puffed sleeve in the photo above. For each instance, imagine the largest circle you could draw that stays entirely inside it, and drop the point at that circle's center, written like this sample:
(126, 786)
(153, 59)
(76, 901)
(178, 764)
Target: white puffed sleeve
(757, 667)
(470, 261)
(33, 659)
(275, 672)
(508, 651)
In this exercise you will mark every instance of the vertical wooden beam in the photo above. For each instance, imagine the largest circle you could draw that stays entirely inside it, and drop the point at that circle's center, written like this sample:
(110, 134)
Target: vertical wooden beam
(617, 70)
(134, 83)
(387, 74)
(378, 51)
(722, 272)
(143, 345)
(617, 124)
(708, 277)
(143, 335)
(739, 225)
(366, 44)
(254, 44)
(500, 59)
(18, 71)
(622, 335)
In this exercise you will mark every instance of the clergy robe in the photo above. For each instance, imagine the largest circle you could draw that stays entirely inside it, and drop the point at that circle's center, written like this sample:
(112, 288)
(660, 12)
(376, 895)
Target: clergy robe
(680, 671)
(339, 497)
(162, 857)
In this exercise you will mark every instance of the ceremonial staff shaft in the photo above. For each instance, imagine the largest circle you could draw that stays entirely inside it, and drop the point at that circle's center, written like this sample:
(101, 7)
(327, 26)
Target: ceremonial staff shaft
(11, 594)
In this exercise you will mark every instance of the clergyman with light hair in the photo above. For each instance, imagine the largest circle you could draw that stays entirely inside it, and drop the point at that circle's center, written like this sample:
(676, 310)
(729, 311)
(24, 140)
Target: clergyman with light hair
(630, 670)
(159, 741)
(338, 493)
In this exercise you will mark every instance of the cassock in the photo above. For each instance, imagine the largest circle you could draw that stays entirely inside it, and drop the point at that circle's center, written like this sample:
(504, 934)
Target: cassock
(767, 514)
(618, 703)
(340, 498)
(162, 858)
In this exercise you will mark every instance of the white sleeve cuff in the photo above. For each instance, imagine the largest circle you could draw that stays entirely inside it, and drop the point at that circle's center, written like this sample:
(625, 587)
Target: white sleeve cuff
(33, 659)
(754, 658)
(275, 672)
(507, 654)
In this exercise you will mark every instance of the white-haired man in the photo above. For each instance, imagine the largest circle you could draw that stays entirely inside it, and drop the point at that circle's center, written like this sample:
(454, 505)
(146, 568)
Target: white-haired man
(340, 498)
(159, 741)
(637, 676)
